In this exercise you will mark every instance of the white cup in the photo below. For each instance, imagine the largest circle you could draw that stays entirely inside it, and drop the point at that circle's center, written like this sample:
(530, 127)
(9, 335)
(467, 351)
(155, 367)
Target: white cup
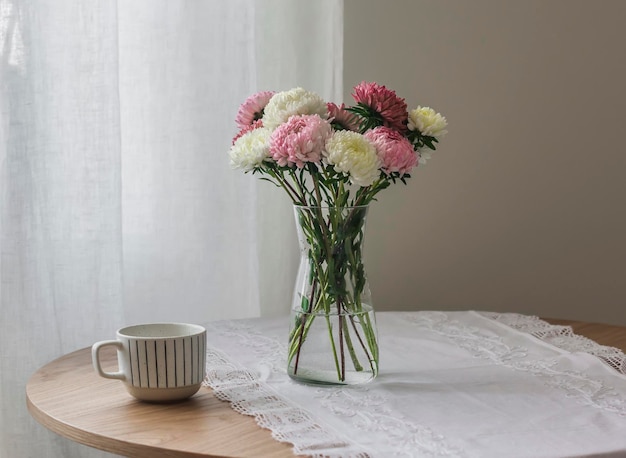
(158, 362)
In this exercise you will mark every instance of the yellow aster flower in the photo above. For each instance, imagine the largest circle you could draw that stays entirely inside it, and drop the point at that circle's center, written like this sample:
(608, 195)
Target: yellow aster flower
(351, 153)
(428, 122)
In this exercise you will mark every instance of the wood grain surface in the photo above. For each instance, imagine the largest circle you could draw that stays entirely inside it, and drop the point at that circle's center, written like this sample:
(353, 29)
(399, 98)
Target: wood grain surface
(69, 398)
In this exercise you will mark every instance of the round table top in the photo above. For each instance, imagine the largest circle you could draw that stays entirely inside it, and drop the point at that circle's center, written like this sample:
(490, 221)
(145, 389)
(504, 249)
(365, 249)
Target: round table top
(69, 398)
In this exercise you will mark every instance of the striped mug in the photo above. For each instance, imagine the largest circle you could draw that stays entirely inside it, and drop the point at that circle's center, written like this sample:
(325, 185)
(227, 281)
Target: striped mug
(158, 362)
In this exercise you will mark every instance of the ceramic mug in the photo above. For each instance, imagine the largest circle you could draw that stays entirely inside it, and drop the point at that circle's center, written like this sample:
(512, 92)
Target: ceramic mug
(157, 362)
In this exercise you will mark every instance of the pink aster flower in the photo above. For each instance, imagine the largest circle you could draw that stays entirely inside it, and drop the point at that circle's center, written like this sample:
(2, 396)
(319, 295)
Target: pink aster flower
(342, 118)
(252, 109)
(391, 108)
(301, 139)
(255, 125)
(395, 152)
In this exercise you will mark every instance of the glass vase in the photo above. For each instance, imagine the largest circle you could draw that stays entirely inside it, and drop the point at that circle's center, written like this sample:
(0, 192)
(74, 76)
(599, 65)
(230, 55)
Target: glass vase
(332, 337)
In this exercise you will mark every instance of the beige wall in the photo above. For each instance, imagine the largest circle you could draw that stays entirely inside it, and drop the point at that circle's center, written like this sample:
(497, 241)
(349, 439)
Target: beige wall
(523, 207)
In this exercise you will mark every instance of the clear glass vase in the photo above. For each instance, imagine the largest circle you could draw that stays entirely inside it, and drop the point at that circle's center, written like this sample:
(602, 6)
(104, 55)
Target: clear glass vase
(332, 337)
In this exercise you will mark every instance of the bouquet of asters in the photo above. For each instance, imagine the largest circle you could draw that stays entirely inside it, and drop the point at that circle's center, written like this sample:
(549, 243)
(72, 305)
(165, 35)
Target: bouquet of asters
(332, 161)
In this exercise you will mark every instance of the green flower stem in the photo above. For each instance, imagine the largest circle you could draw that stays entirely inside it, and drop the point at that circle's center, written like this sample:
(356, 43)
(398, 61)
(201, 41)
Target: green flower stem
(353, 356)
(369, 337)
(283, 183)
(325, 235)
(300, 339)
(342, 373)
(335, 191)
(336, 280)
(295, 343)
(301, 334)
(332, 343)
(302, 191)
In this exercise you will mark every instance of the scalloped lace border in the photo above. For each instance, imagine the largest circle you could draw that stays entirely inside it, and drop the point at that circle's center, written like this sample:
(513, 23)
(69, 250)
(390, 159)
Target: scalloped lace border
(287, 423)
(562, 337)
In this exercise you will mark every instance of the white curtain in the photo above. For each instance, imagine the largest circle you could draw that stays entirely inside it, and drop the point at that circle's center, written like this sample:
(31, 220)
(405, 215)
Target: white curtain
(117, 204)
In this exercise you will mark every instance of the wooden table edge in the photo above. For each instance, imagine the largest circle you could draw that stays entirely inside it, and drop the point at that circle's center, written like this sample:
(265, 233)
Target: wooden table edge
(129, 448)
(100, 442)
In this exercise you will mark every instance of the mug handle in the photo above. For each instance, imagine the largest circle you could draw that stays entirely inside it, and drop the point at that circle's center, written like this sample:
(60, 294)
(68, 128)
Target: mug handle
(95, 358)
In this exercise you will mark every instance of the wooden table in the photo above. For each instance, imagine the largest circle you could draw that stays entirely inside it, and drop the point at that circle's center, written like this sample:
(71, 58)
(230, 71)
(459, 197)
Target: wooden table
(69, 398)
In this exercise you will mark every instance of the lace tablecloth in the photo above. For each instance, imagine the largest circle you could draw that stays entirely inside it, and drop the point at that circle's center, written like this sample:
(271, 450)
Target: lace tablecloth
(455, 384)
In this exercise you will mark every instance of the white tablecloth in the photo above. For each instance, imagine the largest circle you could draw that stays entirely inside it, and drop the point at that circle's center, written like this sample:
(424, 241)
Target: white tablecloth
(458, 384)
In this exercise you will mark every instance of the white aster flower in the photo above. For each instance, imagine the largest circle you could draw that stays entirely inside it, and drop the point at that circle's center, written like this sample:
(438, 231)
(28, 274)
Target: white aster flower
(428, 122)
(251, 149)
(296, 101)
(351, 153)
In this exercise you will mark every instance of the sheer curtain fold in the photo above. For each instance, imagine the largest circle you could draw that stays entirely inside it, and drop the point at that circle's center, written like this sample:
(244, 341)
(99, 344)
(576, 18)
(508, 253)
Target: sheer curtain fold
(117, 204)
(60, 220)
(188, 219)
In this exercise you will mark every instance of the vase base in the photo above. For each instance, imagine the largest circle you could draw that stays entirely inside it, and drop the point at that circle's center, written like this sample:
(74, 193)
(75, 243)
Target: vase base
(329, 378)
